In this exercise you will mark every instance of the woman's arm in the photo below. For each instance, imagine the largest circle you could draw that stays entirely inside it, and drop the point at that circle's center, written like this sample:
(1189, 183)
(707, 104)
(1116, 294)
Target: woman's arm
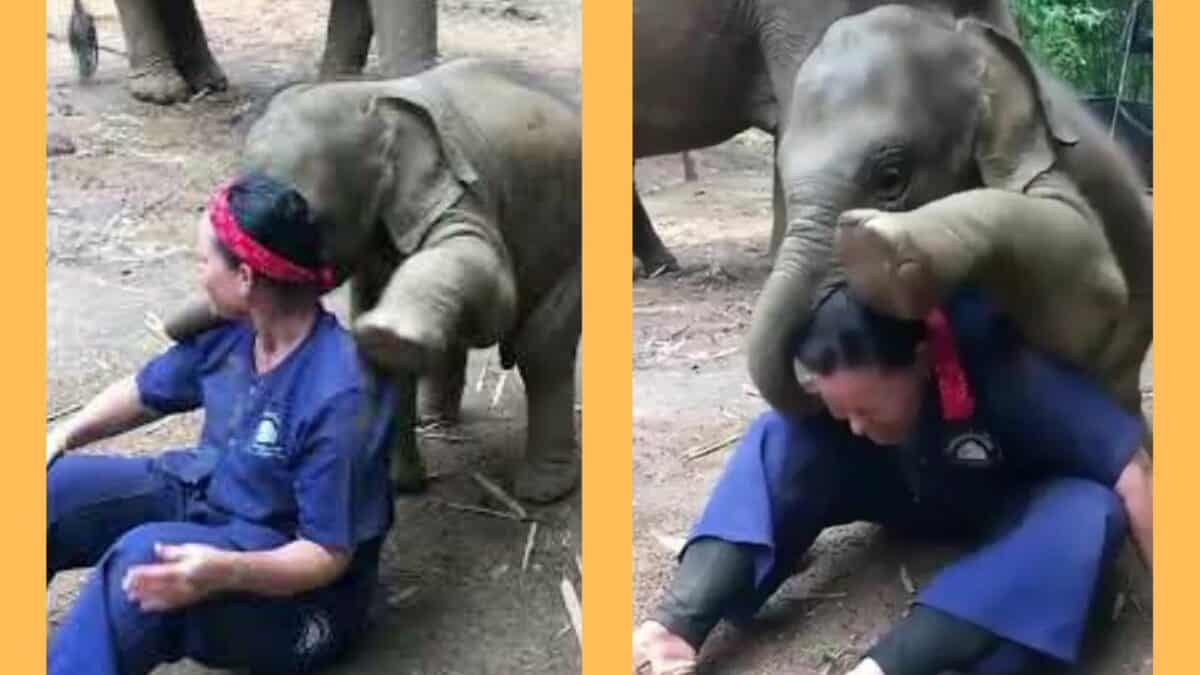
(1135, 487)
(115, 410)
(188, 573)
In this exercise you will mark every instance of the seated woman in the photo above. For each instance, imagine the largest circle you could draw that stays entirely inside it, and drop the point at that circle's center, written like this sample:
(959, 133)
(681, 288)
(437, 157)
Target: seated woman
(949, 426)
(259, 547)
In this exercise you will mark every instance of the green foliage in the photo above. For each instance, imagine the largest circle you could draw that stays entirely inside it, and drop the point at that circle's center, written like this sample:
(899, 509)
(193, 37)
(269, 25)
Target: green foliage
(1081, 42)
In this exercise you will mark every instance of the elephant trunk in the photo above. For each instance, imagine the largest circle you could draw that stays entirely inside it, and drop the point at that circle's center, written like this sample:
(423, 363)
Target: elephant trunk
(804, 263)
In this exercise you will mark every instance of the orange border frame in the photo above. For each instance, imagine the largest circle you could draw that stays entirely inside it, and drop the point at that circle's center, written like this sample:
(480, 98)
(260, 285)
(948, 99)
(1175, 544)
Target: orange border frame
(607, 335)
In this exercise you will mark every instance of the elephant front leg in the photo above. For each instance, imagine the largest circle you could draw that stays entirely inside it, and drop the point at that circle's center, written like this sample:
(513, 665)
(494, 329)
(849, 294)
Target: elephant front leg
(456, 291)
(1047, 263)
(407, 467)
(545, 349)
(440, 392)
(152, 73)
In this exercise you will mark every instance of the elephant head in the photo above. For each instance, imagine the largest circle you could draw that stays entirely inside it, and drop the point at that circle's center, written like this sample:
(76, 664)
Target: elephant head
(364, 155)
(379, 167)
(895, 108)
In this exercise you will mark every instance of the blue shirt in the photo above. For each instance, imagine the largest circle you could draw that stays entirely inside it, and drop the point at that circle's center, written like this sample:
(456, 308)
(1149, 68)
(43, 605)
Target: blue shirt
(301, 449)
(1044, 416)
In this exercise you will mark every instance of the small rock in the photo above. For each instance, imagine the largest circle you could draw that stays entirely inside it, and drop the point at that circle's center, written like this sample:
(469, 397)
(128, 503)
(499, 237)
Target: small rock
(498, 571)
(59, 144)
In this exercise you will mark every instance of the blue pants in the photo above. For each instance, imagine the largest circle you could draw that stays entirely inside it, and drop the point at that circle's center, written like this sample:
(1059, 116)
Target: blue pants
(1045, 542)
(108, 512)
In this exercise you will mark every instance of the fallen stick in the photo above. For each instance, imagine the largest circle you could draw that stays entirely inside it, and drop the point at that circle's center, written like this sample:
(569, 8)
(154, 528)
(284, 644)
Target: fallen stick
(478, 510)
(722, 354)
(817, 596)
(63, 412)
(495, 490)
(449, 438)
(705, 450)
(574, 609)
(529, 542)
(499, 389)
(483, 371)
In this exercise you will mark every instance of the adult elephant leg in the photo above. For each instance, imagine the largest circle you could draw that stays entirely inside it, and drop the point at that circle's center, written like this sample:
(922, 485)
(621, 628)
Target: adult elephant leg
(406, 35)
(1048, 265)
(347, 38)
(152, 73)
(407, 466)
(545, 349)
(648, 248)
(189, 46)
(441, 390)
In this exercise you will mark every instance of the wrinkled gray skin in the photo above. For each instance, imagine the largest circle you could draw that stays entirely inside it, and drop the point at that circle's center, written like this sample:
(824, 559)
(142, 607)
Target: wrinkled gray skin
(169, 58)
(705, 70)
(452, 202)
(922, 154)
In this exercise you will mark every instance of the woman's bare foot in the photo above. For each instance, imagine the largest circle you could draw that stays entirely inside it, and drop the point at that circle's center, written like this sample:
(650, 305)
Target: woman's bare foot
(658, 651)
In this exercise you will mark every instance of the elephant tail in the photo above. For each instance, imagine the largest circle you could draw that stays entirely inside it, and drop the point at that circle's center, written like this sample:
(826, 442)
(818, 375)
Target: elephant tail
(81, 35)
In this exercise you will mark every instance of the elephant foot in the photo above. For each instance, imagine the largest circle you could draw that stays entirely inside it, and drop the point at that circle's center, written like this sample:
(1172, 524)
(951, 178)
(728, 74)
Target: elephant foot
(398, 349)
(654, 266)
(884, 267)
(548, 477)
(206, 76)
(161, 84)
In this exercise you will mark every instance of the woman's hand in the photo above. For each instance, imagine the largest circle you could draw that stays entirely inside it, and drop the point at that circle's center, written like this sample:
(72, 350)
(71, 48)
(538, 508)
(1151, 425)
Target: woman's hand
(56, 444)
(184, 575)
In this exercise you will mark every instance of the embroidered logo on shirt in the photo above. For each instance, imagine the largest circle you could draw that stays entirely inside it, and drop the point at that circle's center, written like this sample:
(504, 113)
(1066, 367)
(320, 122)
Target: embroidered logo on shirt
(973, 449)
(266, 436)
(315, 634)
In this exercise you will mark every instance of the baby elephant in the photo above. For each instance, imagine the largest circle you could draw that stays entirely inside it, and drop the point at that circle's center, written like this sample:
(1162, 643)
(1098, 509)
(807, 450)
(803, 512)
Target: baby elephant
(922, 153)
(451, 200)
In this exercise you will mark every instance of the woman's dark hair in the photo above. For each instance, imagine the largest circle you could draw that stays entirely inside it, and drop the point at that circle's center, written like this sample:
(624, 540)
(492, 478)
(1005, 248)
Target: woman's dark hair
(845, 333)
(277, 217)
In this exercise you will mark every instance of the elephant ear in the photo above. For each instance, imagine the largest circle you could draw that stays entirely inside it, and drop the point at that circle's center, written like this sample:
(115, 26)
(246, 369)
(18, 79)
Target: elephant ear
(424, 174)
(1020, 128)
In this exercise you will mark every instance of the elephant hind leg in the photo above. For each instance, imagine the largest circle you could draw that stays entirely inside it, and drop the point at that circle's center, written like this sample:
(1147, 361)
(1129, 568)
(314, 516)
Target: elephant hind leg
(649, 249)
(189, 47)
(545, 350)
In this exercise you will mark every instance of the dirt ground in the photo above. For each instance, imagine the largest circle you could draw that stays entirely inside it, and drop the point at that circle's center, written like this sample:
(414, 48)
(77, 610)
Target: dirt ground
(121, 207)
(691, 390)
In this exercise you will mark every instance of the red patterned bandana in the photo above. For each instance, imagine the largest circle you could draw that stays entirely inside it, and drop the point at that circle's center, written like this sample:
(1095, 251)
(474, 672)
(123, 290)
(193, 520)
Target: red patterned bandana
(258, 257)
(958, 404)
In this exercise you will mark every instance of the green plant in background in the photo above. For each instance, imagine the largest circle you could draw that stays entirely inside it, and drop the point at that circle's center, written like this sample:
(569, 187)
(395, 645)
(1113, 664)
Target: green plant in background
(1083, 42)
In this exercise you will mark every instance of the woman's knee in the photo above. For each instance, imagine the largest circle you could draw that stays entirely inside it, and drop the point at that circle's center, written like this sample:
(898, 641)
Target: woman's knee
(1087, 508)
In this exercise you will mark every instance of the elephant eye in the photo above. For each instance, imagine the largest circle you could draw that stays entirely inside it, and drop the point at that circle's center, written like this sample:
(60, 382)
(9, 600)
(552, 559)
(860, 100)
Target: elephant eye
(890, 176)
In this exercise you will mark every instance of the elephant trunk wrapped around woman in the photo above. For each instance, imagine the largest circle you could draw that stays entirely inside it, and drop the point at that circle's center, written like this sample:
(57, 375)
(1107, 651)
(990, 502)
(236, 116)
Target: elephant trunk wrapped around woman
(451, 200)
(920, 153)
